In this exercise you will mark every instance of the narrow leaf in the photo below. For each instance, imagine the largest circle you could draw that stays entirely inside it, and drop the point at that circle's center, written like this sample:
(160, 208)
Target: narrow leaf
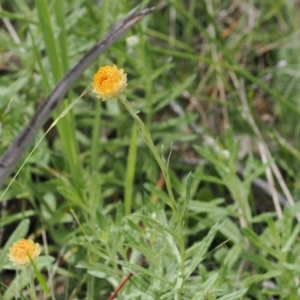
(234, 295)
(200, 251)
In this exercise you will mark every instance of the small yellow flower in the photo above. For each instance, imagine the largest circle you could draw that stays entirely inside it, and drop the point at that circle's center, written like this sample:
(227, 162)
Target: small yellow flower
(109, 82)
(19, 252)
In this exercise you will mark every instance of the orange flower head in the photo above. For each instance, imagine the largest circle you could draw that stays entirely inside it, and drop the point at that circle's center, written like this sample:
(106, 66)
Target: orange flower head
(109, 82)
(20, 251)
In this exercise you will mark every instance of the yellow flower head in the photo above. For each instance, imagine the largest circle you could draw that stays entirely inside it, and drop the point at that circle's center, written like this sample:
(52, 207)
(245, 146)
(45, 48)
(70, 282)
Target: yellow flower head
(109, 82)
(19, 252)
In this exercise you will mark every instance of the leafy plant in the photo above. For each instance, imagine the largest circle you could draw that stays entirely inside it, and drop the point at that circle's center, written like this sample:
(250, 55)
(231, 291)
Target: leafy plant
(161, 194)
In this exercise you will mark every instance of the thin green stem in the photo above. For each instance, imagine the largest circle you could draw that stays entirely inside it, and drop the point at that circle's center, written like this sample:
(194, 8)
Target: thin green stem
(130, 170)
(95, 137)
(153, 149)
(172, 203)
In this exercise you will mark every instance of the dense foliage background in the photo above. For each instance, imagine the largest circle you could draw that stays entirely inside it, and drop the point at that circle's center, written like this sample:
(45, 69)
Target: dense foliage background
(216, 84)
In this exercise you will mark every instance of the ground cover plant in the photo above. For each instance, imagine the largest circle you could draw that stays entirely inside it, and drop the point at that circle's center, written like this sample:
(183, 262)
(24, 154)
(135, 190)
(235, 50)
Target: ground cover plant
(184, 185)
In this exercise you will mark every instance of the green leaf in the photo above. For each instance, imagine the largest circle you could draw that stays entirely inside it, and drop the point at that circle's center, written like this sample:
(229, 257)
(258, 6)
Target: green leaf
(145, 272)
(256, 240)
(234, 295)
(258, 171)
(230, 230)
(209, 283)
(42, 281)
(16, 217)
(71, 195)
(50, 43)
(211, 157)
(187, 197)
(233, 255)
(62, 38)
(291, 240)
(158, 225)
(287, 225)
(208, 178)
(158, 192)
(260, 277)
(164, 231)
(132, 241)
(142, 289)
(259, 260)
(199, 250)
(175, 92)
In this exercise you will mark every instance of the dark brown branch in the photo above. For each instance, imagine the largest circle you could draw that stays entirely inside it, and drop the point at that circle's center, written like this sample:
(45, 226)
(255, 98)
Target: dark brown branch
(116, 291)
(14, 153)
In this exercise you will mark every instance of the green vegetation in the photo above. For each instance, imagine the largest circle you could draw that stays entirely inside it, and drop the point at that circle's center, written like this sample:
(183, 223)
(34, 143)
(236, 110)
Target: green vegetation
(187, 191)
